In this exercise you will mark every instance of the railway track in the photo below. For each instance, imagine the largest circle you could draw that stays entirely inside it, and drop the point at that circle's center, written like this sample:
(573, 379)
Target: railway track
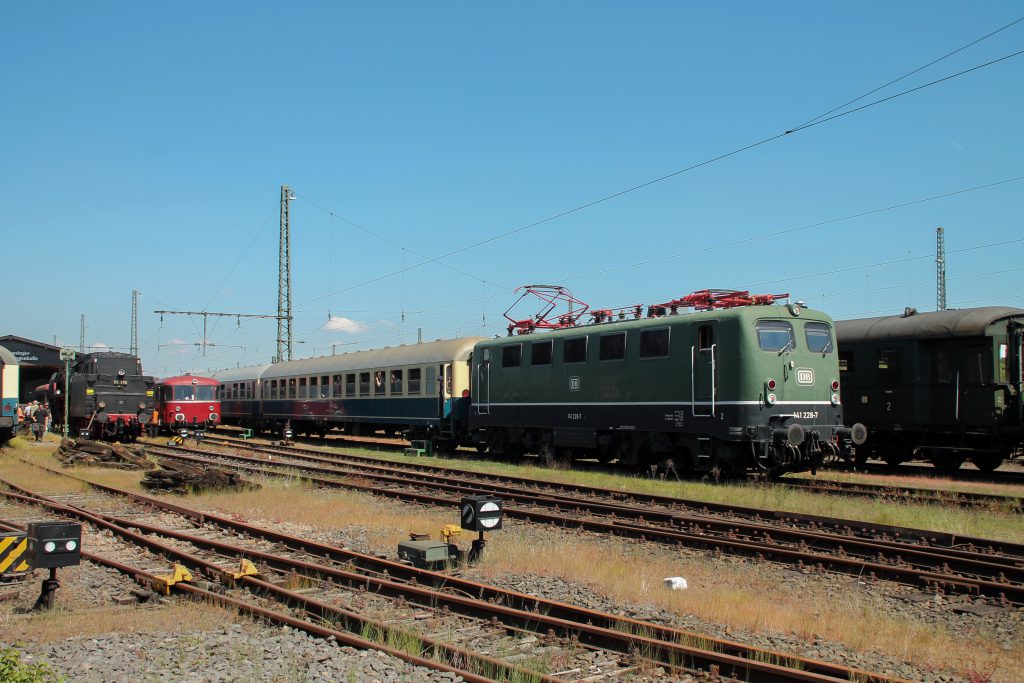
(208, 543)
(929, 560)
(905, 494)
(918, 492)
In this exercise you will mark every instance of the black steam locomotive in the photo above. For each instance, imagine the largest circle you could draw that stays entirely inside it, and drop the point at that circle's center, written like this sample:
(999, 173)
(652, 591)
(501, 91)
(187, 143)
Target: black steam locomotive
(108, 397)
(943, 386)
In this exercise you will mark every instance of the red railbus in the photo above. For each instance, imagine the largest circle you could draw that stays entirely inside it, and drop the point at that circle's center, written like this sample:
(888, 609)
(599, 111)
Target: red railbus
(187, 402)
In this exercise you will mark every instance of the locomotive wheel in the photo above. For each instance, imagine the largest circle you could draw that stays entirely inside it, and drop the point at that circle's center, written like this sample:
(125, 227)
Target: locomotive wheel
(481, 448)
(987, 463)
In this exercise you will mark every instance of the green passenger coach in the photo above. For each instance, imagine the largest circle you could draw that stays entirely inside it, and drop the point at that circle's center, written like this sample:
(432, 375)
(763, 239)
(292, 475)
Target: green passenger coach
(752, 387)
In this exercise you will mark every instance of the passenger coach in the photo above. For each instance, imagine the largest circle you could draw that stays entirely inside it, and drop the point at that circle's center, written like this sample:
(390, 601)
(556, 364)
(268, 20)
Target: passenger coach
(944, 386)
(239, 395)
(421, 390)
(9, 374)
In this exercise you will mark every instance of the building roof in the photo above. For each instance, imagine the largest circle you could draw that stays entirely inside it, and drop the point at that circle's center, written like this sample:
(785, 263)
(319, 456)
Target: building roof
(965, 322)
(31, 342)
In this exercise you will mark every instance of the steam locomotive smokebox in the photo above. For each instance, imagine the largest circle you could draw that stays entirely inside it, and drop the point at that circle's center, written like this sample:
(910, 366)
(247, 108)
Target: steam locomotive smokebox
(427, 554)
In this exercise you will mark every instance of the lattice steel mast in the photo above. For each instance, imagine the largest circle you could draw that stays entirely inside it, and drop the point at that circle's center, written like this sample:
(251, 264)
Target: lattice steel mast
(284, 281)
(81, 336)
(134, 350)
(940, 270)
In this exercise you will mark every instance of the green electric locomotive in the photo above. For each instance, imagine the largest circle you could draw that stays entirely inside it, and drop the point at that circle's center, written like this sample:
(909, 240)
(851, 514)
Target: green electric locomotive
(942, 386)
(746, 387)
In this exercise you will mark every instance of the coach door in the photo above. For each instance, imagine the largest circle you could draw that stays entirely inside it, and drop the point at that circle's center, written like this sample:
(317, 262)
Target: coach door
(703, 372)
(483, 383)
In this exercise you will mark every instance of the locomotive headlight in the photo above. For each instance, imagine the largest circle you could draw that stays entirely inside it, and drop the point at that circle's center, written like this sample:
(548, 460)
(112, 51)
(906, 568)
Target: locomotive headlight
(835, 399)
(771, 399)
(142, 406)
(70, 546)
(770, 384)
(835, 385)
(102, 405)
(49, 546)
(177, 409)
(210, 408)
(213, 417)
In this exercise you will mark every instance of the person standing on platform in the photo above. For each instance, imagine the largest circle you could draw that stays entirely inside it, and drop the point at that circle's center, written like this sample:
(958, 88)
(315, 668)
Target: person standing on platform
(39, 419)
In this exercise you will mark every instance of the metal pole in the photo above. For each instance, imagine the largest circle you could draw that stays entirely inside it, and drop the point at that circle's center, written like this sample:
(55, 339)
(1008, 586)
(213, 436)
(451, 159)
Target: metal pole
(67, 354)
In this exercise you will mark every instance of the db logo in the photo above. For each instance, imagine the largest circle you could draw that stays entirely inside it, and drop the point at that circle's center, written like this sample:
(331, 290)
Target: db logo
(574, 384)
(804, 376)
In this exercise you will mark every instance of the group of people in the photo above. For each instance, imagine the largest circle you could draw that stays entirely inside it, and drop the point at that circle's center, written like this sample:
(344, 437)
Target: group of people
(35, 416)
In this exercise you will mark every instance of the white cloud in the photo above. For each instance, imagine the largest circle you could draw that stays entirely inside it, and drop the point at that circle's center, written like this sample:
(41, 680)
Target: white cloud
(99, 346)
(346, 325)
(178, 346)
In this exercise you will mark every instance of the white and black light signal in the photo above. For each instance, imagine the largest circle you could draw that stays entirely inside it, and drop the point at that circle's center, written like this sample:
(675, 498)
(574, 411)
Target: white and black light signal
(481, 513)
(54, 544)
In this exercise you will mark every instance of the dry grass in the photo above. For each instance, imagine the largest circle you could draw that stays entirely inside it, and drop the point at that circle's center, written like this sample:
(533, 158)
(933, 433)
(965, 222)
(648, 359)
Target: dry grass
(749, 596)
(62, 623)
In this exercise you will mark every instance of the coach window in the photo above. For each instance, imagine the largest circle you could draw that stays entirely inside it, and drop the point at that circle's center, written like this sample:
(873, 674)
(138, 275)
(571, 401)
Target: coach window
(325, 386)
(314, 388)
(291, 387)
(979, 365)
(889, 364)
(336, 386)
(512, 356)
(540, 352)
(378, 383)
(396, 382)
(414, 380)
(613, 346)
(819, 337)
(654, 343)
(774, 335)
(845, 361)
(574, 350)
(234, 391)
(302, 388)
(248, 391)
(271, 386)
(431, 381)
(350, 385)
(364, 384)
(1004, 351)
(942, 367)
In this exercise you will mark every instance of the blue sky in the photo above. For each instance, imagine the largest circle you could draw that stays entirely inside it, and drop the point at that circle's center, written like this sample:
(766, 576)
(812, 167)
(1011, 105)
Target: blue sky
(144, 148)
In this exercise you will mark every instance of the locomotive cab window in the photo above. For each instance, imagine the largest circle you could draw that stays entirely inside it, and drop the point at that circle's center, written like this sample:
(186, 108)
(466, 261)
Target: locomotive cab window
(775, 335)
(612, 346)
(574, 350)
(540, 352)
(819, 337)
(512, 356)
(705, 337)
(396, 382)
(654, 343)
(414, 380)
